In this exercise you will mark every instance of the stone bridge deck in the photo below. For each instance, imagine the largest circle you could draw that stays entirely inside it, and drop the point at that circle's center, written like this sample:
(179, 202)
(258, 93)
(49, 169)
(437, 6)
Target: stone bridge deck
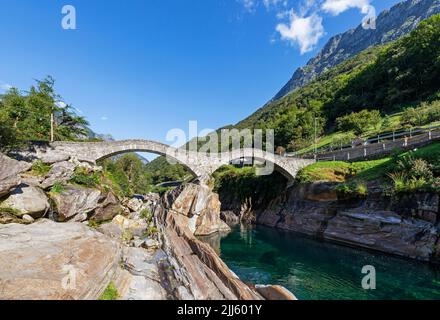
(200, 164)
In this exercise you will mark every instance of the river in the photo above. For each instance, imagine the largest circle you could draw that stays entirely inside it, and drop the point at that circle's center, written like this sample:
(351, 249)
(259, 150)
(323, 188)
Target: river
(315, 270)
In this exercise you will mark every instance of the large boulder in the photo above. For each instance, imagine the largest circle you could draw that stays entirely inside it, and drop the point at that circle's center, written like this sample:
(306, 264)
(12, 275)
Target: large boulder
(27, 200)
(109, 207)
(200, 205)
(60, 172)
(196, 264)
(74, 203)
(124, 228)
(10, 170)
(134, 204)
(143, 281)
(55, 261)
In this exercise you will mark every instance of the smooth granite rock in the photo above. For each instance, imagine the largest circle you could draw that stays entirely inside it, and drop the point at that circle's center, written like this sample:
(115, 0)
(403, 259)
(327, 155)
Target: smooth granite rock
(55, 261)
(73, 201)
(27, 200)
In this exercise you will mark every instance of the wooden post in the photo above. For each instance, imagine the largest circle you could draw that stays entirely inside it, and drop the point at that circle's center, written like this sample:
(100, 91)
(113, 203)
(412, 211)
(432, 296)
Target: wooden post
(51, 127)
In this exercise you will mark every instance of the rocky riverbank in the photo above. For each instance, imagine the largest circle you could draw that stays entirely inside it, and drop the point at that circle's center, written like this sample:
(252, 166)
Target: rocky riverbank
(405, 225)
(63, 240)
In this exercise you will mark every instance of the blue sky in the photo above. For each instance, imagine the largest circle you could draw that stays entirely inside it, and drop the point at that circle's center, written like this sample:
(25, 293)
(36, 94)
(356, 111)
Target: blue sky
(139, 68)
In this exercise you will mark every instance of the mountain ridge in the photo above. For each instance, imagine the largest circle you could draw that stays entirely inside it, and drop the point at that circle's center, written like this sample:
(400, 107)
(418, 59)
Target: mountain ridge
(391, 24)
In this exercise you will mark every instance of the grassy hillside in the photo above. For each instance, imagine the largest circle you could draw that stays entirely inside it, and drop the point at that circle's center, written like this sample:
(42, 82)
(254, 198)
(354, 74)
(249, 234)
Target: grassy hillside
(386, 78)
(412, 171)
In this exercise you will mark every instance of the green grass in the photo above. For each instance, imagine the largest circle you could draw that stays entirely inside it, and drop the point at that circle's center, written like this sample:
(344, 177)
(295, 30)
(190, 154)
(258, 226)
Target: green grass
(110, 293)
(11, 211)
(83, 178)
(336, 171)
(40, 169)
(340, 171)
(57, 188)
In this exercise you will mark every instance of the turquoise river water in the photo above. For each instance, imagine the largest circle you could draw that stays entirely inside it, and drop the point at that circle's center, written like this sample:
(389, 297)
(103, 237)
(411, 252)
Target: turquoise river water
(315, 270)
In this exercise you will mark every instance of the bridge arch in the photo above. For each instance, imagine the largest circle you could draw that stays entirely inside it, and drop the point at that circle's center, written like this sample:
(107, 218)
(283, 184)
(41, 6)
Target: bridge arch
(288, 167)
(199, 164)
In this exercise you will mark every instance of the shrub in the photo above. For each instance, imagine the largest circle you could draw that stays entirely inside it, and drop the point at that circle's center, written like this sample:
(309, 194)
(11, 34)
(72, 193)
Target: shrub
(40, 169)
(421, 115)
(147, 215)
(85, 178)
(355, 188)
(435, 185)
(11, 211)
(359, 122)
(110, 293)
(57, 188)
(127, 236)
(403, 184)
(415, 168)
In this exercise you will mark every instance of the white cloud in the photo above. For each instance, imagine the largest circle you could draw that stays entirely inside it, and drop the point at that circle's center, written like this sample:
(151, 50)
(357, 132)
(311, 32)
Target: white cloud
(304, 31)
(301, 20)
(275, 3)
(104, 118)
(5, 86)
(249, 5)
(336, 7)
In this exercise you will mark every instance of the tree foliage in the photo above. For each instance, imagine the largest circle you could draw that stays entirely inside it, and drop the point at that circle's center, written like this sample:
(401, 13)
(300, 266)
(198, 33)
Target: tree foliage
(359, 122)
(129, 173)
(26, 116)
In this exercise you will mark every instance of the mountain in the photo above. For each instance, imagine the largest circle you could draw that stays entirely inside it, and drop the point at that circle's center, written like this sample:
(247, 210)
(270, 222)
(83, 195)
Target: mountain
(390, 25)
(388, 77)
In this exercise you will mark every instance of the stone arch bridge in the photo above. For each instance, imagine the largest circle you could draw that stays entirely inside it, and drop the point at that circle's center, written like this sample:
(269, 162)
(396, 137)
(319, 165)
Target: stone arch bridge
(200, 164)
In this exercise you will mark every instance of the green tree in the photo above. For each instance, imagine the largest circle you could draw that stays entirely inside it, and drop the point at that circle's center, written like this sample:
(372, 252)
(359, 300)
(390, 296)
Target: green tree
(359, 122)
(38, 115)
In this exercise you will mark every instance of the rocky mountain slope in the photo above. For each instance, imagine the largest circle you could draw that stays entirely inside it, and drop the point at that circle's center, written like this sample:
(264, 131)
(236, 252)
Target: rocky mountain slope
(391, 25)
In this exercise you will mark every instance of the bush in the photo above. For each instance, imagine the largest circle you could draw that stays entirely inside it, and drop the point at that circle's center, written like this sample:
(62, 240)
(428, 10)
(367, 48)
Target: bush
(147, 215)
(415, 168)
(110, 293)
(355, 188)
(412, 175)
(40, 169)
(151, 231)
(11, 211)
(359, 122)
(57, 188)
(85, 178)
(424, 114)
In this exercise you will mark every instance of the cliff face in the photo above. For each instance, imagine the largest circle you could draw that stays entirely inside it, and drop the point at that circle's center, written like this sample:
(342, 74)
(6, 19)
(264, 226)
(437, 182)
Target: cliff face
(391, 24)
(405, 225)
(184, 212)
